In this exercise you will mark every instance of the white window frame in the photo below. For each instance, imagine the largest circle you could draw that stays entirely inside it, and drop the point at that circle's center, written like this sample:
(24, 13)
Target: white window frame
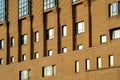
(64, 30)
(50, 33)
(1, 60)
(49, 70)
(24, 57)
(80, 27)
(25, 74)
(77, 66)
(36, 55)
(36, 36)
(24, 39)
(80, 47)
(103, 38)
(2, 44)
(87, 64)
(116, 34)
(111, 60)
(64, 50)
(99, 62)
(50, 52)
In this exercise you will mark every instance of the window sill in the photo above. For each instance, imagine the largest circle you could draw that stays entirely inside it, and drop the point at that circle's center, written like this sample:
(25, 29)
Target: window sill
(77, 2)
(24, 17)
(50, 10)
(115, 16)
(3, 22)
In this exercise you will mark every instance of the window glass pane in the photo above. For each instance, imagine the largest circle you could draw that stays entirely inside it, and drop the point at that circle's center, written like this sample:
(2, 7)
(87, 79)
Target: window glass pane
(49, 4)
(87, 64)
(2, 10)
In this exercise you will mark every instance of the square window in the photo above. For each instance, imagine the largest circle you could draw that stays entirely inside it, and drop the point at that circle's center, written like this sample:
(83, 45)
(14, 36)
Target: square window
(49, 71)
(80, 27)
(80, 47)
(25, 74)
(103, 39)
(115, 33)
(64, 50)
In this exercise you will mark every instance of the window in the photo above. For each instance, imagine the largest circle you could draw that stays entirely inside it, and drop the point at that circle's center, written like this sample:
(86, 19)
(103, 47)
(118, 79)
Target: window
(25, 74)
(103, 39)
(24, 57)
(114, 9)
(1, 61)
(3, 10)
(64, 50)
(80, 47)
(64, 30)
(75, 0)
(36, 55)
(24, 39)
(12, 42)
(36, 36)
(50, 33)
(49, 4)
(12, 59)
(111, 60)
(87, 64)
(115, 34)
(99, 64)
(50, 52)
(49, 71)
(76, 66)
(1, 44)
(80, 27)
(24, 7)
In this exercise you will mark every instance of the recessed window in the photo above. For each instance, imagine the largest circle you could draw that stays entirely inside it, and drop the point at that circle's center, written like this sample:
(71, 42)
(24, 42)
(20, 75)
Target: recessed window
(64, 50)
(76, 66)
(1, 61)
(103, 39)
(115, 34)
(80, 47)
(12, 42)
(80, 27)
(50, 33)
(75, 0)
(24, 7)
(12, 59)
(3, 10)
(99, 62)
(87, 64)
(50, 52)
(36, 55)
(114, 9)
(25, 74)
(24, 57)
(49, 71)
(49, 4)
(111, 60)
(24, 39)
(64, 30)
(36, 36)
(1, 44)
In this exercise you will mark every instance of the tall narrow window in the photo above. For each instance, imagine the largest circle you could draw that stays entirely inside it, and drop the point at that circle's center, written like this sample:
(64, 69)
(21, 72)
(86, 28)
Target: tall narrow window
(36, 55)
(87, 64)
(24, 39)
(111, 60)
(50, 33)
(49, 71)
(1, 61)
(24, 57)
(25, 74)
(49, 4)
(12, 59)
(99, 62)
(50, 52)
(64, 30)
(24, 7)
(76, 66)
(36, 36)
(3, 10)
(12, 41)
(80, 27)
(1, 44)
(114, 9)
